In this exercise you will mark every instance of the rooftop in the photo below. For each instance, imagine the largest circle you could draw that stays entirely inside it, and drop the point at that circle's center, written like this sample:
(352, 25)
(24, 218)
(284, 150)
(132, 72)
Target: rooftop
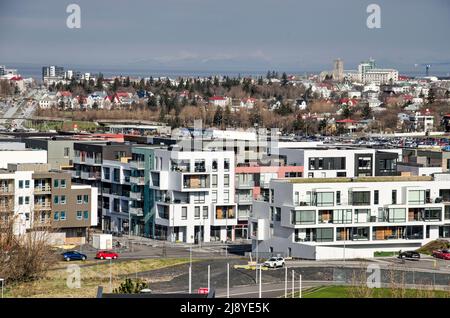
(360, 179)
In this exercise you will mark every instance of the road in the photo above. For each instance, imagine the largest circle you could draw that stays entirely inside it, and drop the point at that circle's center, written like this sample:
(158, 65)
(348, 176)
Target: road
(12, 112)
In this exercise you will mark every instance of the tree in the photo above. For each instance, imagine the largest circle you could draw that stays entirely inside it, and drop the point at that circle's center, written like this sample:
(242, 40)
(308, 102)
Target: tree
(431, 96)
(127, 82)
(99, 84)
(366, 112)
(26, 257)
(218, 117)
(227, 118)
(322, 126)
(130, 286)
(284, 110)
(115, 85)
(284, 79)
(346, 111)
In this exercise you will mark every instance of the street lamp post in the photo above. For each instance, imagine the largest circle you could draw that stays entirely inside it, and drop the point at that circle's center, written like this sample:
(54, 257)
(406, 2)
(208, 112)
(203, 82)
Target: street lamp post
(285, 281)
(345, 238)
(260, 283)
(228, 280)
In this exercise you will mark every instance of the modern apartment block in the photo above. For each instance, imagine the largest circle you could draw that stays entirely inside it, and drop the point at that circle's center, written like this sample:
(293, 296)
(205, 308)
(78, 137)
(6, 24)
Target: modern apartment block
(116, 195)
(429, 158)
(40, 198)
(335, 218)
(194, 195)
(88, 160)
(343, 161)
(141, 196)
(252, 182)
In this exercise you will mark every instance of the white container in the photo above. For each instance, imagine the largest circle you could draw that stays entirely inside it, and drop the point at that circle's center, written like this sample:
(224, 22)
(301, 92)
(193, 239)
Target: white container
(102, 241)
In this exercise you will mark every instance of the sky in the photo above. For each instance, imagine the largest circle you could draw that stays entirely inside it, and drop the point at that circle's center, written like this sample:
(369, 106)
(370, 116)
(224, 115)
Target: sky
(286, 35)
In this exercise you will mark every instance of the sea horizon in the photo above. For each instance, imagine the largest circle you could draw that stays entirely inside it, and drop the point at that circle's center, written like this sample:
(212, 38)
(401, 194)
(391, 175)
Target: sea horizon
(35, 71)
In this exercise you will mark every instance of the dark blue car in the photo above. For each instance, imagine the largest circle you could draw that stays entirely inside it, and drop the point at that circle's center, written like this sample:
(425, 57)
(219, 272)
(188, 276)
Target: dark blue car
(74, 255)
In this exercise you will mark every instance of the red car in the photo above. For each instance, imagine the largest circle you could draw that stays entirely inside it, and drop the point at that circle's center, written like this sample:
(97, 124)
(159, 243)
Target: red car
(106, 255)
(444, 254)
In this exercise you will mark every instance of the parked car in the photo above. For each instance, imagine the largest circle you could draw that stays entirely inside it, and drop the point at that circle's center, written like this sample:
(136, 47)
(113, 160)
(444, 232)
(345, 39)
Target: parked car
(274, 262)
(409, 255)
(444, 254)
(106, 255)
(74, 255)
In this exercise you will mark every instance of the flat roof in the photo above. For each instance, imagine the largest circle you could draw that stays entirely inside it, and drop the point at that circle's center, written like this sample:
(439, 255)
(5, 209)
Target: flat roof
(359, 179)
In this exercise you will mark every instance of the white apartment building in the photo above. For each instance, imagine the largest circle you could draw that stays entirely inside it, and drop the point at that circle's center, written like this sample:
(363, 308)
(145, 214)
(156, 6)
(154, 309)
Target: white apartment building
(342, 161)
(9, 155)
(193, 195)
(116, 194)
(16, 195)
(350, 217)
(379, 76)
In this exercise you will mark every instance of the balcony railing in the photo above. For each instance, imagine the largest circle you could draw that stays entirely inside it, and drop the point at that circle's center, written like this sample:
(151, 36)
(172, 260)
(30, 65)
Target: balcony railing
(136, 211)
(137, 180)
(136, 195)
(90, 175)
(137, 165)
(6, 190)
(42, 189)
(245, 184)
(244, 198)
(42, 206)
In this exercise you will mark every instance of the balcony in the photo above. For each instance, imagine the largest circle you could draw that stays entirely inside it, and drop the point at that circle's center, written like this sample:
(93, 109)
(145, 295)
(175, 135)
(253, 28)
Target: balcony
(242, 199)
(93, 161)
(137, 180)
(138, 165)
(43, 190)
(76, 174)
(43, 206)
(91, 175)
(6, 208)
(241, 184)
(6, 191)
(136, 211)
(196, 181)
(136, 195)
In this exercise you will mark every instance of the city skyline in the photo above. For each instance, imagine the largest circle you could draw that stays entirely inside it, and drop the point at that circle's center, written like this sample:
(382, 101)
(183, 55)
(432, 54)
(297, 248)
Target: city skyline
(296, 36)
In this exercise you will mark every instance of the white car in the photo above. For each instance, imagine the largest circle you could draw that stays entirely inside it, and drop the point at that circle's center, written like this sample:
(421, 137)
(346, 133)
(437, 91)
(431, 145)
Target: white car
(274, 262)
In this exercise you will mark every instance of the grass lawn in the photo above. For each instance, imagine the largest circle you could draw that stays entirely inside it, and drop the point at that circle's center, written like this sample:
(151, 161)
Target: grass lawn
(349, 292)
(61, 125)
(384, 254)
(93, 273)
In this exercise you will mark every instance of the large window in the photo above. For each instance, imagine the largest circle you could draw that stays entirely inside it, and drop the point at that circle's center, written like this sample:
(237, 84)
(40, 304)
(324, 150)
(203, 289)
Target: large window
(303, 217)
(342, 216)
(397, 215)
(365, 163)
(416, 197)
(337, 163)
(199, 197)
(432, 214)
(324, 235)
(388, 165)
(360, 198)
(325, 198)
